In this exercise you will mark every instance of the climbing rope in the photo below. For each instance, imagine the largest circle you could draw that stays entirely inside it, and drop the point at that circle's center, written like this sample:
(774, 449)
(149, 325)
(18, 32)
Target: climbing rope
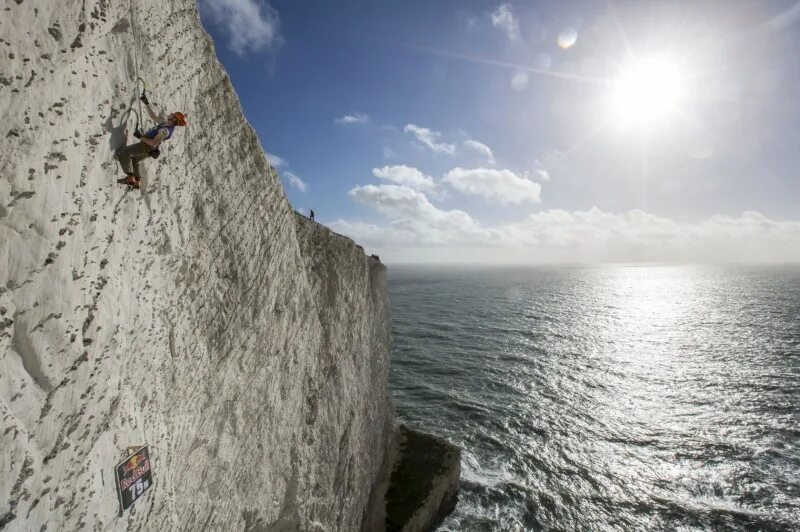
(139, 98)
(139, 80)
(139, 95)
(136, 67)
(140, 83)
(135, 42)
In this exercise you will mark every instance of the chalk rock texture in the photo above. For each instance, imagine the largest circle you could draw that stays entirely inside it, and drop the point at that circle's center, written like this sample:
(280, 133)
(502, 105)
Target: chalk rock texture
(247, 348)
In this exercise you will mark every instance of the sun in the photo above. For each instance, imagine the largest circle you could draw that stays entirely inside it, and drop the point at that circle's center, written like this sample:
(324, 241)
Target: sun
(647, 92)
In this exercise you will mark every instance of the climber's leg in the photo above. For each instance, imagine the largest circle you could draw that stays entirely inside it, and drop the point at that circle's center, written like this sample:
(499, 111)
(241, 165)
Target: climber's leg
(129, 157)
(136, 170)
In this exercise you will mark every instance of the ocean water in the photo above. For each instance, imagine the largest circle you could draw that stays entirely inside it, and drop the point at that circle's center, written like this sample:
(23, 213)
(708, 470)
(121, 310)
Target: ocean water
(607, 398)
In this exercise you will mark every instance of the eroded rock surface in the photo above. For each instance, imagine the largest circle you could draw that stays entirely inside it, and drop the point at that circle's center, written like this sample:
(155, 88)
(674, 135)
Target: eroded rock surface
(423, 488)
(195, 315)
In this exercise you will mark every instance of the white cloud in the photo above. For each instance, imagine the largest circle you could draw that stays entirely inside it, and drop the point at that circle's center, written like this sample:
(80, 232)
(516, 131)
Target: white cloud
(551, 164)
(251, 25)
(370, 234)
(519, 81)
(562, 236)
(480, 148)
(641, 236)
(388, 153)
(503, 18)
(295, 181)
(356, 118)
(393, 200)
(539, 170)
(430, 139)
(502, 185)
(413, 219)
(275, 161)
(405, 175)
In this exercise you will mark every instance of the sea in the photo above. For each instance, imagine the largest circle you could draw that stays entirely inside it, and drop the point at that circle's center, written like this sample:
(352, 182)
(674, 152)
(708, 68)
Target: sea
(615, 397)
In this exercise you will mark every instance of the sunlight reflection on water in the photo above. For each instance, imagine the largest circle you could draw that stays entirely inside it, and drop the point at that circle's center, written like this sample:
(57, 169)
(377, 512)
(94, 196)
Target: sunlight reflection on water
(612, 397)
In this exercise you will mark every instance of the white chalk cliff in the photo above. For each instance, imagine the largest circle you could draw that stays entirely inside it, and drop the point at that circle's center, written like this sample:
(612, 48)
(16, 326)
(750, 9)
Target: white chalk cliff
(247, 348)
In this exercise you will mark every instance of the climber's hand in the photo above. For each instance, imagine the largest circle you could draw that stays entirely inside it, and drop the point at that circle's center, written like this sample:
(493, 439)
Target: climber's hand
(137, 133)
(143, 97)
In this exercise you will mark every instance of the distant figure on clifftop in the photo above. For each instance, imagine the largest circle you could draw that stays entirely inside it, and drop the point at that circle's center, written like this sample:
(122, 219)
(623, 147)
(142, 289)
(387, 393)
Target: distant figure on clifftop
(311, 214)
(129, 156)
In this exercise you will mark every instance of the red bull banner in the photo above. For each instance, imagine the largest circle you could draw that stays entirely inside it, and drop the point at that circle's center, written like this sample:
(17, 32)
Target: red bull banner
(134, 477)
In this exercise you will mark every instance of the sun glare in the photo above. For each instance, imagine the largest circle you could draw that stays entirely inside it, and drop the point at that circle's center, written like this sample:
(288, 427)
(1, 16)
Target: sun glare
(648, 91)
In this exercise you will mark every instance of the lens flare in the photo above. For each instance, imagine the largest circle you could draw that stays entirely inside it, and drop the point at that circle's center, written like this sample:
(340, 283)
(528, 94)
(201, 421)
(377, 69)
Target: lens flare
(567, 38)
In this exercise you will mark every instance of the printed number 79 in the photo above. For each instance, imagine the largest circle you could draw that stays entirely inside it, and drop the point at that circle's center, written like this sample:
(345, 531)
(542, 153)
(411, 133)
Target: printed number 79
(136, 489)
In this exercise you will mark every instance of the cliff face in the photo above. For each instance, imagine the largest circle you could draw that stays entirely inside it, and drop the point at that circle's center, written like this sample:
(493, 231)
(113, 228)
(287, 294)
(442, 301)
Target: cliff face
(248, 349)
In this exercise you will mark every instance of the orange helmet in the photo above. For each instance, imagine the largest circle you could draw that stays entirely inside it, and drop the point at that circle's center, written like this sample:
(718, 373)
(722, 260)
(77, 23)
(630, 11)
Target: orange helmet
(180, 118)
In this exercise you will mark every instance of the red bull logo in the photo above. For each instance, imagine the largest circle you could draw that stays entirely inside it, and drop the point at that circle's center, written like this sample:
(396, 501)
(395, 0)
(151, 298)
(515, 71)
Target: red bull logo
(133, 476)
(133, 469)
(132, 463)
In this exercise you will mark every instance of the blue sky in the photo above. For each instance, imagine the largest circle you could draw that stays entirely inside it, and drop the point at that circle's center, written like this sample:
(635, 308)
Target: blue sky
(529, 131)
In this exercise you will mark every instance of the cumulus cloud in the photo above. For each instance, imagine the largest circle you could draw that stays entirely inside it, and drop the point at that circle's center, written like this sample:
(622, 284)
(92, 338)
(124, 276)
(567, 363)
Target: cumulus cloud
(641, 236)
(414, 220)
(295, 181)
(430, 139)
(480, 148)
(550, 165)
(250, 25)
(540, 171)
(580, 236)
(371, 234)
(356, 118)
(433, 141)
(279, 163)
(504, 19)
(501, 185)
(275, 161)
(393, 200)
(405, 175)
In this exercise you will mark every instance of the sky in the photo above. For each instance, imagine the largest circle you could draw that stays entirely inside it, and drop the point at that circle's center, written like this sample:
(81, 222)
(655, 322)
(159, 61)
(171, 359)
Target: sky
(529, 132)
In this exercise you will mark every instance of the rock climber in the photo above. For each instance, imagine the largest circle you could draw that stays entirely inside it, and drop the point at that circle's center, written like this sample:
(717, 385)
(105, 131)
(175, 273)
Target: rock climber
(129, 156)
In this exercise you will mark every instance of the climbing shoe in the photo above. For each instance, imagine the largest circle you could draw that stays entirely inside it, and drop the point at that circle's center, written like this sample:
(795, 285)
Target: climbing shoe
(130, 180)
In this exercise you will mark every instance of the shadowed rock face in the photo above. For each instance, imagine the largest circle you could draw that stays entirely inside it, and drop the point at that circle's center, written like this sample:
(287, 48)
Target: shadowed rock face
(247, 349)
(423, 488)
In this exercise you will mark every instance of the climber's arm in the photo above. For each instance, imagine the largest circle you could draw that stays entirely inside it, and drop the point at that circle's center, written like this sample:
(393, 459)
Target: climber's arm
(154, 117)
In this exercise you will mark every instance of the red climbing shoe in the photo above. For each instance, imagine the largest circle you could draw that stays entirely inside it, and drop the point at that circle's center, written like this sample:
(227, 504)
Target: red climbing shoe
(130, 180)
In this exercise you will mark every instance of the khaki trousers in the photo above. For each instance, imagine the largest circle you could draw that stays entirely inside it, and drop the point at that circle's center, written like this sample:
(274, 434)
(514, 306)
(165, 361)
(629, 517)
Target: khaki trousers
(129, 157)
